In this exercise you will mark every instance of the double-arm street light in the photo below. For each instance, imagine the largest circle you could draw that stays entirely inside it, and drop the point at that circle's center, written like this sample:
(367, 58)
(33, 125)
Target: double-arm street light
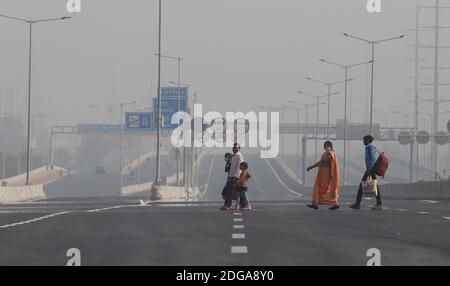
(329, 85)
(30, 23)
(318, 98)
(345, 67)
(372, 43)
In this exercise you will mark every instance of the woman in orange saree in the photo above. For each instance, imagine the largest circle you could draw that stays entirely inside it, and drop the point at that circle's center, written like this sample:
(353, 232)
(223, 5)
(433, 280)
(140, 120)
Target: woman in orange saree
(326, 187)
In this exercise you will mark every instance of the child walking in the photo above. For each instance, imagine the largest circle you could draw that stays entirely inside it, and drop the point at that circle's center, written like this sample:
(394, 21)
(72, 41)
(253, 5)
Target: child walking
(242, 202)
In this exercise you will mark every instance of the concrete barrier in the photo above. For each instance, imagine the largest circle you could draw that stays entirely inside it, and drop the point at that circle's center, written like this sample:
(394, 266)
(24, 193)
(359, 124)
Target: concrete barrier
(147, 186)
(43, 175)
(164, 193)
(136, 189)
(10, 195)
(169, 191)
(178, 194)
(419, 190)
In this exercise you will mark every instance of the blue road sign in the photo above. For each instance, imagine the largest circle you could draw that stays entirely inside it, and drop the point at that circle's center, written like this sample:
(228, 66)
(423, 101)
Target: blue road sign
(139, 120)
(170, 98)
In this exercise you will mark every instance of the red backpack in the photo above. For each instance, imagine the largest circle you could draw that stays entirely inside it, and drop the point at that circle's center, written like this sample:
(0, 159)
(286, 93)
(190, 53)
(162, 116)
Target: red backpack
(381, 165)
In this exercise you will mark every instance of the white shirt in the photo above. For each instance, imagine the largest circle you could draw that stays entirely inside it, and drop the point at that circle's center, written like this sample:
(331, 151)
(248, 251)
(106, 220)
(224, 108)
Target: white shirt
(236, 161)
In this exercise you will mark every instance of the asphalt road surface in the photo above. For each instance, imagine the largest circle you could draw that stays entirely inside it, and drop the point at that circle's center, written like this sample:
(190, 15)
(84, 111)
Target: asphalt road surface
(280, 230)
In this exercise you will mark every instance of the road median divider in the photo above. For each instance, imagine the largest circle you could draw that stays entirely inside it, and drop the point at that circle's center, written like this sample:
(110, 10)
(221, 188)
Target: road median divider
(20, 194)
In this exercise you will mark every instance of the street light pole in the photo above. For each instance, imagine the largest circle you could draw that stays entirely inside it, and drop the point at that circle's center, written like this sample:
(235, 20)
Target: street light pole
(158, 137)
(372, 43)
(328, 85)
(29, 107)
(4, 149)
(297, 109)
(306, 106)
(178, 83)
(30, 23)
(318, 98)
(345, 67)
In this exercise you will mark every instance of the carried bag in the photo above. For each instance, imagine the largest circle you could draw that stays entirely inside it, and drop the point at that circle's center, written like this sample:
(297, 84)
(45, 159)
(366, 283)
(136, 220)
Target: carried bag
(234, 195)
(381, 165)
(231, 189)
(370, 187)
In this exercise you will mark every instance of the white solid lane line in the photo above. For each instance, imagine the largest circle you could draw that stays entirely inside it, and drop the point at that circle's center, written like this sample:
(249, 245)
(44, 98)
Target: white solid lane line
(239, 249)
(257, 183)
(279, 179)
(428, 201)
(33, 220)
(210, 173)
(238, 236)
(112, 208)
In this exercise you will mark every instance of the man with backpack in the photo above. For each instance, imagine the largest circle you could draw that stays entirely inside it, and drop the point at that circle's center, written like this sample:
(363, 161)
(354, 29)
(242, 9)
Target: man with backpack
(371, 157)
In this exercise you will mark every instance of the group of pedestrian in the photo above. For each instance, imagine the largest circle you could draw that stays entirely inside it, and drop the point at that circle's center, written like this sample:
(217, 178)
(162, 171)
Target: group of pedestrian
(326, 187)
(238, 176)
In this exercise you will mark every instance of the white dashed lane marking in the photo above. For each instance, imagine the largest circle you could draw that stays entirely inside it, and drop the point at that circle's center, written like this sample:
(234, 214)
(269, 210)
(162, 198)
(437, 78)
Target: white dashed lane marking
(33, 220)
(424, 213)
(239, 249)
(446, 217)
(238, 236)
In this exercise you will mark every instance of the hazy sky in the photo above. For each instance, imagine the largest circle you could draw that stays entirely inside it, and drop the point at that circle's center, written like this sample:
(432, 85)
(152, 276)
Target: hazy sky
(238, 54)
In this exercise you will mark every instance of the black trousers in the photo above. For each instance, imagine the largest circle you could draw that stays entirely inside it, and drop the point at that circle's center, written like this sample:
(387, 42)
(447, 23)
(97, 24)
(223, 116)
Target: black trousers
(360, 192)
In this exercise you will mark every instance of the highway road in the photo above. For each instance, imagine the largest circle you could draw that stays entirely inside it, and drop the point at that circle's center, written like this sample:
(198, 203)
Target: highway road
(281, 230)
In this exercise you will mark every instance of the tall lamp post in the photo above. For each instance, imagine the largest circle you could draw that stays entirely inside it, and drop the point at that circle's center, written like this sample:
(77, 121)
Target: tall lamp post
(297, 108)
(30, 23)
(157, 180)
(3, 146)
(318, 98)
(178, 59)
(345, 67)
(329, 85)
(372, 43)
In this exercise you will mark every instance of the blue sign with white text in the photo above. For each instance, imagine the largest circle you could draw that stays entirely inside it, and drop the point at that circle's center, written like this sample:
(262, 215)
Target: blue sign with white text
(172, 101)
(139, 120)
